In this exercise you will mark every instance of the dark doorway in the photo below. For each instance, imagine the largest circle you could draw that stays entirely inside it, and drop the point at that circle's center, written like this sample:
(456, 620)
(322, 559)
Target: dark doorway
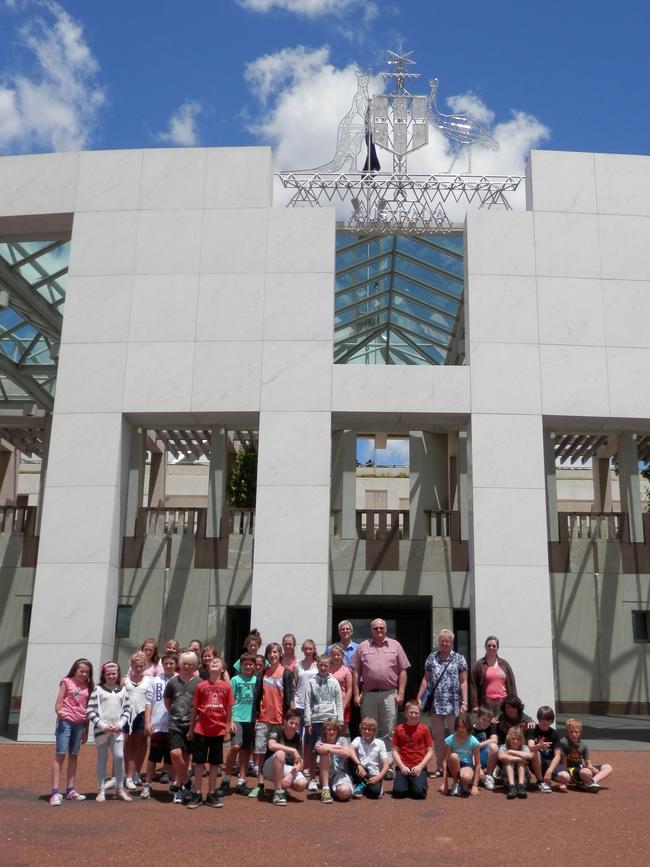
(407, 620)
(238, 625)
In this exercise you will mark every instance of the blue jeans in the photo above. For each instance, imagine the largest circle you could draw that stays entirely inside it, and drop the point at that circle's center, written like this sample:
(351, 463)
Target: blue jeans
(68, 737)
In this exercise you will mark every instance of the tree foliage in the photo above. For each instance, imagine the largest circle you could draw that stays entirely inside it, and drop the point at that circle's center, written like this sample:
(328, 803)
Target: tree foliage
(242, 481)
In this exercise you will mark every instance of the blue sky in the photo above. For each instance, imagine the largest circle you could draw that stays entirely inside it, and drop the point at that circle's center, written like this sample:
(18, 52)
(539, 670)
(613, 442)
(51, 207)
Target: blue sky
(569, 75)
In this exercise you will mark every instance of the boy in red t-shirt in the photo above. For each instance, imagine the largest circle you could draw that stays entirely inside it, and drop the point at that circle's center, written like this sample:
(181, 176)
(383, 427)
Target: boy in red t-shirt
(211, 718)
(412, 751)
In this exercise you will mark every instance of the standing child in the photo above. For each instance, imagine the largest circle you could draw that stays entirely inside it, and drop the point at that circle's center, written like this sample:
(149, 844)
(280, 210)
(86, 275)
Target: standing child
(289, 658)
(71, 727)
(306, 670)
(136, 684)
(412, 751)
(156, 721)
(461, 759)
(210, 720)
(109, 712)
(273, 698)
(515, 757)
(178, 696)
(579, 768)
(544, 744)
(243, 730)
(333, 754)
(252, 644)
(368, 754)
(344, 676)
(322, 701)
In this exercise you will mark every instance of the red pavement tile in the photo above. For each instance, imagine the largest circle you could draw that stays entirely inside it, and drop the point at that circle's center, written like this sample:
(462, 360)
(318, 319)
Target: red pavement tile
(579, 828)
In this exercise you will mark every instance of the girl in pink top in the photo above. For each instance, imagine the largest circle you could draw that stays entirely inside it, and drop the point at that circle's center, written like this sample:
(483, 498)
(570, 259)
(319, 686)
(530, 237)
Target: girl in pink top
(71, 727)
(289, 658)
(344, 676)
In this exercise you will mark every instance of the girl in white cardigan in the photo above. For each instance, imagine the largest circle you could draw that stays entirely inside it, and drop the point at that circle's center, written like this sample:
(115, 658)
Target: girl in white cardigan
(109, 711)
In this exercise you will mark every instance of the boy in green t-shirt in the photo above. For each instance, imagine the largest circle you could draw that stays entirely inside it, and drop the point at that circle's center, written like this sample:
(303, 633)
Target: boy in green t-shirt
(243, 727)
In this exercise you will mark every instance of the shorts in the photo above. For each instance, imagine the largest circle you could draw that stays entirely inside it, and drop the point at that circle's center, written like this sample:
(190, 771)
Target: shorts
(68, 737)
(314, 737)
(159, 748)
(177, 739)
(207, 749)
(267, 770)
(340, 779)
(262, 730)
(467, 765)
(137, 724)
(485, 752)
(244, 736)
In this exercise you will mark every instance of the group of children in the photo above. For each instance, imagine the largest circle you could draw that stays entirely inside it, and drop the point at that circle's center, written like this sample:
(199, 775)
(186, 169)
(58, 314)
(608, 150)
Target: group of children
(286, 720)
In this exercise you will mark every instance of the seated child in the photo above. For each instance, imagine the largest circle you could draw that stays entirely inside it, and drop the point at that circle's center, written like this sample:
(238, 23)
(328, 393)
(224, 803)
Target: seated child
(412, 751)
(544, 744)
(486, 736)
(283, 760)
(512, 714)
(514, 755)
(579, 769)
(461, 760)
(368, 754)
(333, 753)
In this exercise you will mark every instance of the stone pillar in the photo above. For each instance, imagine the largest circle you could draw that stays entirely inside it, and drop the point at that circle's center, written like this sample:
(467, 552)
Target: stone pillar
(630, 486)
(552, 528)
(157, 491)
(43, 479)
(464, 488)
(135, 479)
(428, 482)
(217, 481)
(602, 485)
(344, 483)
(9, 467)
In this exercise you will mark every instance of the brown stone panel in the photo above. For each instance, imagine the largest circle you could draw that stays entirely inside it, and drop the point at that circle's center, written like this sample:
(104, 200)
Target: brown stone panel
(559, 559)
(211, 553)
(459, 556)
(382, 555)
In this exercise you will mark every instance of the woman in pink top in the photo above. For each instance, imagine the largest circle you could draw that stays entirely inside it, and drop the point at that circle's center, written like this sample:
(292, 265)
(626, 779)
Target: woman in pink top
(344, 676)
(492, 678)
(71, 727)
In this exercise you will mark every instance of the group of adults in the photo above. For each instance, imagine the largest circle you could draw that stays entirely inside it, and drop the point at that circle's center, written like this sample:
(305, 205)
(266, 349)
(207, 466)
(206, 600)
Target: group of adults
(379, 668)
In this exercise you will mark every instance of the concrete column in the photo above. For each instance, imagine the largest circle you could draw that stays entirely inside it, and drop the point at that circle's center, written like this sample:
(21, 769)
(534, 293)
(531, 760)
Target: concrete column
(9, 468)
(157, 479)
(552, 528)
(464, 488)
(77, 577)
(344, 483)
(217, 481)
(602, 485)
(428, 482)
(43, 480)
(629, 482)
(135, 478)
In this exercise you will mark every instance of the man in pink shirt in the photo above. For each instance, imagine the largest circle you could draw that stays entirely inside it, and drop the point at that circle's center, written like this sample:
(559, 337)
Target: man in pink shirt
(379, 673)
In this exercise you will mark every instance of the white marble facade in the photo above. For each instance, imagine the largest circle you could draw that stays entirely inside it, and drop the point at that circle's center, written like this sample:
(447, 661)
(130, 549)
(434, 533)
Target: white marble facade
(191, 298)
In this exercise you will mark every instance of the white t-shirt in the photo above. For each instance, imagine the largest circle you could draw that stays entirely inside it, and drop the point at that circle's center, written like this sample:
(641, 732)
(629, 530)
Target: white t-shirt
(154, 697)
(304, 676)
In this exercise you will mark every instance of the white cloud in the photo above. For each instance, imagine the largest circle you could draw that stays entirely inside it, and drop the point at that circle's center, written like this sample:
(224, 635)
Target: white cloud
(308, 8)
(182, 130)
(304, 96)
(56, 107)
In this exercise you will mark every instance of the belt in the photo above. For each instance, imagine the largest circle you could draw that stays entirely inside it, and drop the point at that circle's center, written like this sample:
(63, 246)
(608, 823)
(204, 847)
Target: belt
(388, 689)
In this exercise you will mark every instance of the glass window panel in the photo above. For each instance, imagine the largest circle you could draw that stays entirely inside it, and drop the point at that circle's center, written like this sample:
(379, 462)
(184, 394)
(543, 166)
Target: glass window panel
(419, 328)
(418, 293)
(409, 306)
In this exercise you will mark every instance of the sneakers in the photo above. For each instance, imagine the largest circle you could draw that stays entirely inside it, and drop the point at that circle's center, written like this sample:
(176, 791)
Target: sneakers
(56, 799)
(213, 800)
(241, 788)
(455, 790)
(496, 773)
(109, 783)
(254, 792)
(279, 798)
(521, 791)
(593, 786)
(390, 774)
(101, 797)
(544, 787)
(489, 782)
(312, 786)
(123, 795)
(511, 792)
(357, 792)
(145, 794)
(326, 797)
(177, 796)
(164, 777)
(222, 789)
(195, 800)
(436, 774)
(130, 785)
(73, 795)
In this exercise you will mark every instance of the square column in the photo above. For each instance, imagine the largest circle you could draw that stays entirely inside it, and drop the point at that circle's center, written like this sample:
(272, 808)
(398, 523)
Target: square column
(552, 527)
(344, 483)
(428, 482)
(630, 487)
(217, 480)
